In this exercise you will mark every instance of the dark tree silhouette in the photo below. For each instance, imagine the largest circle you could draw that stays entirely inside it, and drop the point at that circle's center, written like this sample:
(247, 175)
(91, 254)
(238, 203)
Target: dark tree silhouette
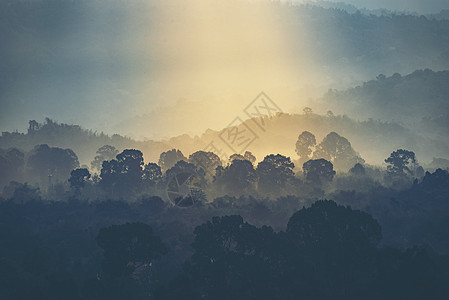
(337, 150)
(401, 163)
(274, 172)
(239, 178)
(78, 178)
(152, 172)
(305, 146)
(170, 158)
(327, 224)
(208, 161)
(247, 156)
(123, 175)
(250, 157)
(105, 152)
(318, 170)
(229, 260)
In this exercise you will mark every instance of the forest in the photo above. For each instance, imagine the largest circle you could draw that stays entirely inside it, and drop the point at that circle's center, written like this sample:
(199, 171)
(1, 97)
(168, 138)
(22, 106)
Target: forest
(119, 178)
(323, 224)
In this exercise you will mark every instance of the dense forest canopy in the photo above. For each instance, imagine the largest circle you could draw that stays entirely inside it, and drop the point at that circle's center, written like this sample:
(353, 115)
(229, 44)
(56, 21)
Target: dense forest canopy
(224, 149)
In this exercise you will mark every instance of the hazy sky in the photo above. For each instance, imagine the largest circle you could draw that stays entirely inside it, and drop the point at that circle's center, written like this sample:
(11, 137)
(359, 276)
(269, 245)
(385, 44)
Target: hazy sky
(151, 68)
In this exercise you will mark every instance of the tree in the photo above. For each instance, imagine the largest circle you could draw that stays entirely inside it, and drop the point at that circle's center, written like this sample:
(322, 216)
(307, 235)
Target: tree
(46, 161)
(78, 178)
(247, 156)
(318, 170)
(274, 173)
(238, 178)
(170, 158)
(401, 163)
(250, 157)
(231, 260)
(128, 247)
(185, 184)
(327, 224)
(334, 245)
(337, 150)
(236, 156)
(105, 152)
(152, 173)
(123, 174)
(305, 145)
(208, 161)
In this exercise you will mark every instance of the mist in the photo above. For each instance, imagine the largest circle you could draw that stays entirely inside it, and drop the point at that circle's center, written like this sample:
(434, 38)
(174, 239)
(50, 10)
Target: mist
(142, 68)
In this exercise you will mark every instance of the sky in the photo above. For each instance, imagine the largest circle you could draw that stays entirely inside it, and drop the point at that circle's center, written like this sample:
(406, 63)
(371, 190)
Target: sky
(151, 69)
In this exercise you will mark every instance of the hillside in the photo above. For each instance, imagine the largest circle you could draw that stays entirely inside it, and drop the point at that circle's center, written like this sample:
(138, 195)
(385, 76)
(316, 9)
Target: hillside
(419, 100)
(374, 140)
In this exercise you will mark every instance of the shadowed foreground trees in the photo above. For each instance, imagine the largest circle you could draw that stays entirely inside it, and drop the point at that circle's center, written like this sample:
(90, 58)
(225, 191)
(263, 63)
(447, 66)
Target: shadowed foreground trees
(128, 252)
(327, 252)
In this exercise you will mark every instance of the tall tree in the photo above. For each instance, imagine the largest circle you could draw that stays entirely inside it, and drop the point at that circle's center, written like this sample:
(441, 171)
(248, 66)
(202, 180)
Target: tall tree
(208, 161)
(274, 173)
(337, 150)
(318, 171)
(46, 161)
(239, 178)
(124, 174)
(401, 163)
(105, 152)
(305, 145)
(169, 158)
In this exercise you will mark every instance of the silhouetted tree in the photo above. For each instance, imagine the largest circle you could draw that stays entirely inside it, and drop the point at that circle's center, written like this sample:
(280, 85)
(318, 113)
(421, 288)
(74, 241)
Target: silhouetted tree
(170, 158)
(327, 224)
(401, 162)
(124, 174)
(247, 156)
(229, 260)
(208, 161)
(337, 150)
(105, 152)
(152, 172)
(274, 173)
(78, 178)
(238, 178)
(305, 146)
(250, 157)
(318, 170)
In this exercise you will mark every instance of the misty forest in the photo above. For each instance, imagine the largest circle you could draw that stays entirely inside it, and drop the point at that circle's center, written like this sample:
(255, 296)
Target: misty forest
(224, 149)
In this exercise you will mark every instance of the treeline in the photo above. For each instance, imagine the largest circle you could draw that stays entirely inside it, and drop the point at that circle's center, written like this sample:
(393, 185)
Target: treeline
(203, 179)
(373, 139)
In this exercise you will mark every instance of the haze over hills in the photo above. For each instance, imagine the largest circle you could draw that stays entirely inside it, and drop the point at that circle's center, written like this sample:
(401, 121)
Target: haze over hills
(131, 67)
(419, 125)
